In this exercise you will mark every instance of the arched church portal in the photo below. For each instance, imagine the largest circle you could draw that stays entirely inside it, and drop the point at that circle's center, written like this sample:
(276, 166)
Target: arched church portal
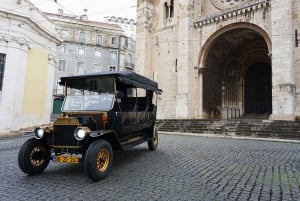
(237, 75)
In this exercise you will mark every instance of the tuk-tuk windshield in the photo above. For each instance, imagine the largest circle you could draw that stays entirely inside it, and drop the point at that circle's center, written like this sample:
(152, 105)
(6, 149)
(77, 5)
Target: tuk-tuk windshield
(101, 102)
(89, 94)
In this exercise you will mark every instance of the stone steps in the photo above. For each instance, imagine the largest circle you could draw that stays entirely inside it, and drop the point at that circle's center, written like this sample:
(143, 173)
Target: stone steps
(234, 127)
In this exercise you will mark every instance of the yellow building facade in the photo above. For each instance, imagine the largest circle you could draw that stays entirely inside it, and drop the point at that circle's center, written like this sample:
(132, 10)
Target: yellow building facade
(27, 50)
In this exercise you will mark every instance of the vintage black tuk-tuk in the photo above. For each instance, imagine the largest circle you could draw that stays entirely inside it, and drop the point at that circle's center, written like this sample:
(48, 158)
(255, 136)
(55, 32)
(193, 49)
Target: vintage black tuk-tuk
(101, 112)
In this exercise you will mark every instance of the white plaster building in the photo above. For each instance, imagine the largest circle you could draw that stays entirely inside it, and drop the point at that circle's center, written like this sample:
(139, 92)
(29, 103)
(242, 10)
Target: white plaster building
(221, 59)
(27, 47)
(128, 25)
(87, 47)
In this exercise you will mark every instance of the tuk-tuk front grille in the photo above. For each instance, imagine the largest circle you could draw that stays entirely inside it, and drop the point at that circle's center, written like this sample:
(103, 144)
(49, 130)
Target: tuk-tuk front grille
(64, 136)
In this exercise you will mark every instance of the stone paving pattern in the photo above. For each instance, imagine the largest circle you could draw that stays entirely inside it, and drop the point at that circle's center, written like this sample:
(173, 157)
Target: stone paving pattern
(183, 168)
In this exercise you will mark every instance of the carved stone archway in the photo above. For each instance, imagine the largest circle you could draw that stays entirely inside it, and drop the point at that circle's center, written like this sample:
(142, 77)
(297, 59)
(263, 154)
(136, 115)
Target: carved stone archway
(225, 59)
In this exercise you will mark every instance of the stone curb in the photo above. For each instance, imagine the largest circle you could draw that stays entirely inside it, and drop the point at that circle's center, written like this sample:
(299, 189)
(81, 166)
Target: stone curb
(229, 137)
(20, 134)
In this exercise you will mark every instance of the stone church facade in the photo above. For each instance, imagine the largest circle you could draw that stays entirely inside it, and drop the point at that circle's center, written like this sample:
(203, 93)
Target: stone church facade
(221, 58)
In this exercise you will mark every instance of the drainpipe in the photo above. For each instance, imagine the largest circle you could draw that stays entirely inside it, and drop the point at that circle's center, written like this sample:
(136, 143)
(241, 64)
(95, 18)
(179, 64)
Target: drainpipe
(119, 53)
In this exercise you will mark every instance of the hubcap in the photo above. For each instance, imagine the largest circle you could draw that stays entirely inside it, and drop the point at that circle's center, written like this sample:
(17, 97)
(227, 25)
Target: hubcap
(36, 156)
(102, 160)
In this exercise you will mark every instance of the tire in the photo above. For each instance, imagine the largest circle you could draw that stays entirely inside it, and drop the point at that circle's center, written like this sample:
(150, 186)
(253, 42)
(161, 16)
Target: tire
(98, 160)
(153, 142)
(34, 156)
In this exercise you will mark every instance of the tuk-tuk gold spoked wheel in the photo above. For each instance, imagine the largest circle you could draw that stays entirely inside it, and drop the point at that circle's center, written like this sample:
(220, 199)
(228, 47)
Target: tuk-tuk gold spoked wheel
(155, 138)
(153, 142)
(98, 159)
(103, 160)
(36, 156)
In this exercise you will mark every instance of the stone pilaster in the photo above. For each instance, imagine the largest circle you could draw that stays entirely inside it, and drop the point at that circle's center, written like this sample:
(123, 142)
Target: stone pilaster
(185, 75)
(296, 20)
(143, 38)
(283, 94)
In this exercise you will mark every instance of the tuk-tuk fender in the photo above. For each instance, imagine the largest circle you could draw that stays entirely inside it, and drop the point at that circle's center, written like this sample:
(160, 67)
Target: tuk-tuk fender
(108, 135)
(95, 134)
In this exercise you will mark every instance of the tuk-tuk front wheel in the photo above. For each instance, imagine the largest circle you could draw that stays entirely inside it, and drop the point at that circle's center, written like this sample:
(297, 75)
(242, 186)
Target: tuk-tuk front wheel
(98, 159)
(153, 142)
(34, 156)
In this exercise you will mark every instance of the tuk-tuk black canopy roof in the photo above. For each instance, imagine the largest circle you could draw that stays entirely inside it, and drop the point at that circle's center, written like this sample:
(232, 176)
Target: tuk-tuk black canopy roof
(130, 78)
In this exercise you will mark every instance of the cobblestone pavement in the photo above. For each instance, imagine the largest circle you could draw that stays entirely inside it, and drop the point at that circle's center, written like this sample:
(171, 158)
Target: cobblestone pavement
(183, 168)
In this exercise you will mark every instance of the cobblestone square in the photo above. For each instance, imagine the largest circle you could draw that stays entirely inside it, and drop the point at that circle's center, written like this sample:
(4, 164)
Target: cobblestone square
(183, 168)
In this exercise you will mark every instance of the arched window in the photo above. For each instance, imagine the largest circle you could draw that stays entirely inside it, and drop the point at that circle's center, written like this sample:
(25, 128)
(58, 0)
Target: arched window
(166, 10)
(169, 9)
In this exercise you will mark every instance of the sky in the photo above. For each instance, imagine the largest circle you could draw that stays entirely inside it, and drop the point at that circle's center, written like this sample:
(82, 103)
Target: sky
(96, 9)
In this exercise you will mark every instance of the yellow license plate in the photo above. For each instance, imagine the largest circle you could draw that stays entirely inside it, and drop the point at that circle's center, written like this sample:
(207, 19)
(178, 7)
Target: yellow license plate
(66, 159)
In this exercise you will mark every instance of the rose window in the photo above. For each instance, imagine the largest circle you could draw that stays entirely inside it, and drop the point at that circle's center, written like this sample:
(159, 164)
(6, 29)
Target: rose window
(222, 4)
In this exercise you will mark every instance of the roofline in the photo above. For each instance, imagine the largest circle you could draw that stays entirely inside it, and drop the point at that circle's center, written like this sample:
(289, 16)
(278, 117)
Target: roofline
(127, 77)
(64, 18)
(38, 27)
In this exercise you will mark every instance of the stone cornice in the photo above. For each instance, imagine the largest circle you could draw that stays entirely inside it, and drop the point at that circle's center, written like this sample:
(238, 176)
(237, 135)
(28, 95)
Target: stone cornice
(10, 38)
(253, 5)
(39, 22)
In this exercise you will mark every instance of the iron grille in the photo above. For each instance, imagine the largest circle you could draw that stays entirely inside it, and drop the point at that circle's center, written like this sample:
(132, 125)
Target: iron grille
(64, 136)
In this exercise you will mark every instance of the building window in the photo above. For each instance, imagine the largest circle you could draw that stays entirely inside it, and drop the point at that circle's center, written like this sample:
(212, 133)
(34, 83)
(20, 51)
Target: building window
(79, 67)
(129, 58)
(98, 40)
(113, 55)
(82, 37)
(81, 51)
(63, 48)
(98, 53)
(130, 43)
(97, 67)
(114, 40)
(2, 65)
(62, 65)
(169, 9)
(126, 42)
(129, 62)
(112, 68)
(65, 34)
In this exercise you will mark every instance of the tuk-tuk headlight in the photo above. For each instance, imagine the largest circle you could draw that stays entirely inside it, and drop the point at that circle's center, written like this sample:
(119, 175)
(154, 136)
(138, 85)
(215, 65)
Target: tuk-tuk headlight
(79, 134)
(39, 133)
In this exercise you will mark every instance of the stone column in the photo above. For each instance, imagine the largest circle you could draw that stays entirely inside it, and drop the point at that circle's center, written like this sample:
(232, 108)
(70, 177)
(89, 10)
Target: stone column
(143, 38)
(283, 92)
(185, 75)
(296, 20)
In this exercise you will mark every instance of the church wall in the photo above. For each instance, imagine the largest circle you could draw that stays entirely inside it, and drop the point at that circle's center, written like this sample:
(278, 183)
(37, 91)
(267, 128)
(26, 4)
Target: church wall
(283, 81)
(296, 26)
(173, 51)
(256, 19)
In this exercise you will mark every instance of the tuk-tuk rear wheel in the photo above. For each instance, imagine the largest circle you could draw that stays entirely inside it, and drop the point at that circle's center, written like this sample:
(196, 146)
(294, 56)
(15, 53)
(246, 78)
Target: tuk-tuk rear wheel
(153, 143)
